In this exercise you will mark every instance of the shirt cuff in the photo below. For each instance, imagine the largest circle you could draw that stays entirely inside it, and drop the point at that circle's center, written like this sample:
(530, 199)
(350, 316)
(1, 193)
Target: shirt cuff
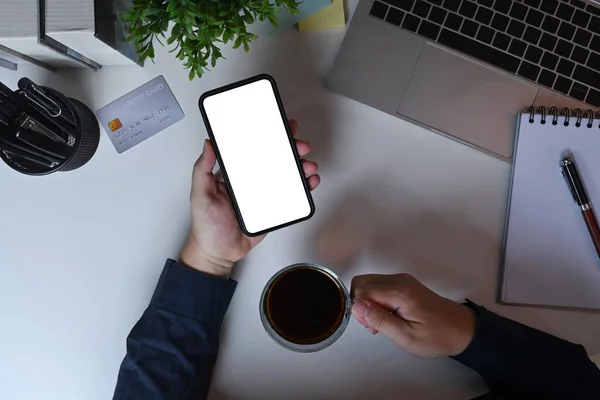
(497, 344)
(473, 350)
(191, 293)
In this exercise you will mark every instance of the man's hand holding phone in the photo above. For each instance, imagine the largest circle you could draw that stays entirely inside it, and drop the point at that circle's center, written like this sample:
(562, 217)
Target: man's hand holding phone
(216, 241)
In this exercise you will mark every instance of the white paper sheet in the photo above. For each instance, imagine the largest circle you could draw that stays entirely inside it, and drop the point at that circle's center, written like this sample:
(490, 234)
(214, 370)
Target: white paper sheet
(549, 256)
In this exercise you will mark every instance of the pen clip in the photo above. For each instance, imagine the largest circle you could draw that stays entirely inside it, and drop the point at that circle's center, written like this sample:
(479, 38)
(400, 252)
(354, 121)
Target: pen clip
(37, 96)
(569, 185)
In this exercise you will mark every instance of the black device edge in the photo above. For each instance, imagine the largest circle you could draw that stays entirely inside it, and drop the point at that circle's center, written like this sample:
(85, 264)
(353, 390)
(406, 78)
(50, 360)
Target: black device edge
(234, 203)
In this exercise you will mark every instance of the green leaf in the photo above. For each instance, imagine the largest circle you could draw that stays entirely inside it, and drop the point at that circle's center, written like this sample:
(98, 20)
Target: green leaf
(153, 11)
(246, 47)
(176, 31)
(155, 28)
(237, 43)
(128, 16)
(133, 37)
(292, 6)
(144, 47)
(192, 74)
(164, 24)
(248, 18)
(171, 39)
(272, 19)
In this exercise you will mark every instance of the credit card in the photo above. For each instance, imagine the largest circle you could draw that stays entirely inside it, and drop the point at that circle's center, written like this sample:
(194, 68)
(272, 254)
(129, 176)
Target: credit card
(140, 114)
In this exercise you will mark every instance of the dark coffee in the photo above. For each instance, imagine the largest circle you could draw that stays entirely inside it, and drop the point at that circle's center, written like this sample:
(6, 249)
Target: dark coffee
(304, 305)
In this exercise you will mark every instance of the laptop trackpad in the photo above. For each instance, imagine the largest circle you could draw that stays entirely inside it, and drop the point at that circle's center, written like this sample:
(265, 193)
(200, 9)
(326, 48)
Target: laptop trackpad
(466, 100)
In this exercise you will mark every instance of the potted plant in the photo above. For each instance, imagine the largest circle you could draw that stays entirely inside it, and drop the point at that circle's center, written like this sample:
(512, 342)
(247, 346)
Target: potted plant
(199, 27)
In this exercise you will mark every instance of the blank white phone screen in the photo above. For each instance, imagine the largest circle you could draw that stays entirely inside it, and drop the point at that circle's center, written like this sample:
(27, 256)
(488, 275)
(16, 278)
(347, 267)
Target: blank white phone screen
(257, 156)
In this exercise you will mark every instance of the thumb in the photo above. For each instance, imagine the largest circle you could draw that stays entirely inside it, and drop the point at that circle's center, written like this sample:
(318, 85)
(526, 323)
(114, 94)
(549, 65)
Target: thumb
(208, 158)
(380, 319)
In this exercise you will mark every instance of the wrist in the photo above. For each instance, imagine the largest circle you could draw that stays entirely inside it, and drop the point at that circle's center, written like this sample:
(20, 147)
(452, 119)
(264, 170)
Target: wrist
(192, 256)
(467, 324)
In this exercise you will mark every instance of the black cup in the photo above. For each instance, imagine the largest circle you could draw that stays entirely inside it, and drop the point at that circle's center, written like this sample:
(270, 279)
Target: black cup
(305, 307)
(86, 134)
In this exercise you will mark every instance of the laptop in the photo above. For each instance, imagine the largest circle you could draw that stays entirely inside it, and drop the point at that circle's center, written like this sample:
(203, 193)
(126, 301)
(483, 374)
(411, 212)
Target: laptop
(465, 68)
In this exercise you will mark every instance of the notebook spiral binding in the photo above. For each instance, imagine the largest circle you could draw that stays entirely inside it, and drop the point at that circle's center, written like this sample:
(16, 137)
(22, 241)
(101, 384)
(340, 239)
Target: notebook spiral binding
(578, 114)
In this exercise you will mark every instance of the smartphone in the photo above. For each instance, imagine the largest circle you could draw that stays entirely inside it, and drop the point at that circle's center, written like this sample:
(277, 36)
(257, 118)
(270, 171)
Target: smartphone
(261, 168)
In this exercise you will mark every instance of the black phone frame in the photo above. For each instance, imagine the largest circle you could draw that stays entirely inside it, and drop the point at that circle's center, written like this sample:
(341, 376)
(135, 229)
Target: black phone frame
(288, 130)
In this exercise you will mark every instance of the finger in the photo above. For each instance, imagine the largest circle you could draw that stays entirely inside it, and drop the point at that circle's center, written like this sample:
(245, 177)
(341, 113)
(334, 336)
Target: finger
(313, 181)
(293, 126)
(381, 320)
(208, 158)
(364, 283)
(394, 286)
(309, 167)
(385, 295)
(303, 148)
(364, 323)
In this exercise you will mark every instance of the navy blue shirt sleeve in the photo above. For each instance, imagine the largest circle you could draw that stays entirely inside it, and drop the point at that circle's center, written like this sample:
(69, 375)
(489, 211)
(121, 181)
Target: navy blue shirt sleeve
(172, 349)
(519, 362)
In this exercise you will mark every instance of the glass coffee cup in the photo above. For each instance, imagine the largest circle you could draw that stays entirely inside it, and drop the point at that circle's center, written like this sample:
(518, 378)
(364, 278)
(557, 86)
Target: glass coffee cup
(305, 307)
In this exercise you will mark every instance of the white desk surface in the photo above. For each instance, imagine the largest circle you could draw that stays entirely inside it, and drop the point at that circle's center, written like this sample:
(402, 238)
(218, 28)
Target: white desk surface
(81, 251)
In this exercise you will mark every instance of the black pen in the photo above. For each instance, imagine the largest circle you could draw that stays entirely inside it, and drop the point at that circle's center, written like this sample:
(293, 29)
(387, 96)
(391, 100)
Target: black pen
(29, 116)
(19, 147)
(23, 152)
(9, 110)
(44, 144)
(37, 96)
(9, 113)
(42, 99)
(5, 90)
(25, 121)
(575, 184)
(28, 158)
(65, 130)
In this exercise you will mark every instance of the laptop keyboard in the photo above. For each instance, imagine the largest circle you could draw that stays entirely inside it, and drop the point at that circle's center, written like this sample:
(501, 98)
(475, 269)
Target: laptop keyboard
(554, 43)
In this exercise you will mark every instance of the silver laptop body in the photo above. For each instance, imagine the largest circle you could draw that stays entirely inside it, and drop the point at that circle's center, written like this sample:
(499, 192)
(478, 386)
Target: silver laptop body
(408, 76)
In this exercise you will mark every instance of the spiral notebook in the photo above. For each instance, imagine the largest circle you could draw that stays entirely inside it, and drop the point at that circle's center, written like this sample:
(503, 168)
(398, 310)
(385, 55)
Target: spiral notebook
(549, 257)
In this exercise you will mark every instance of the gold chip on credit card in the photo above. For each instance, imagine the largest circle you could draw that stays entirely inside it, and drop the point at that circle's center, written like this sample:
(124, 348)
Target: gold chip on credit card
(115, 124)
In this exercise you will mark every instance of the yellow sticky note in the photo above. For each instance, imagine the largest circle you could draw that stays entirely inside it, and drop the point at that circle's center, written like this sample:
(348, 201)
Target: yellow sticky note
(331, 17)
